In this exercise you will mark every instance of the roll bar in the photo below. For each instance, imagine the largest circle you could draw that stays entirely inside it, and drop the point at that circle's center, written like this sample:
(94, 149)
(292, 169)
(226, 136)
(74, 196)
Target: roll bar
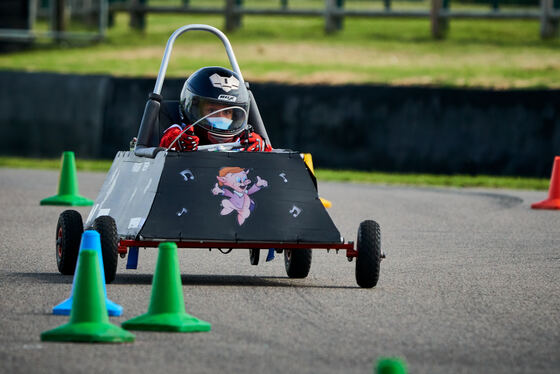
(169, 48)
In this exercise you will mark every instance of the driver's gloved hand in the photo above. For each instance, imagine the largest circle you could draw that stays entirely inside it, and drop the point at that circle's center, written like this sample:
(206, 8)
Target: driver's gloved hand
(187, 141)
(252, 142)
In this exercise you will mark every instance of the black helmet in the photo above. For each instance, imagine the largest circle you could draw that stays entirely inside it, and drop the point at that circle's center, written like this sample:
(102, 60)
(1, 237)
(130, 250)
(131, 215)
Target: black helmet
(218, 88)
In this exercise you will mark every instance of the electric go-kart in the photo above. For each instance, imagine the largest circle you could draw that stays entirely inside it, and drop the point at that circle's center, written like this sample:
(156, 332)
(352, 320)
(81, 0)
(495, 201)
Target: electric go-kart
(153, 195)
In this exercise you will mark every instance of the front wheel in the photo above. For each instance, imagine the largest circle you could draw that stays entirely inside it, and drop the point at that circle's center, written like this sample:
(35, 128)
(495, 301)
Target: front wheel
(297, 262)
(368, 246)
(107, 229)
(69, 231)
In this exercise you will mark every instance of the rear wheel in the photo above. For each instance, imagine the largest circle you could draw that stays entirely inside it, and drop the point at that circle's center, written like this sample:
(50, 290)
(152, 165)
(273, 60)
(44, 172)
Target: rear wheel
(297, 262)
(254, 255)
(368, 246)
(107, 229)
(69, 231)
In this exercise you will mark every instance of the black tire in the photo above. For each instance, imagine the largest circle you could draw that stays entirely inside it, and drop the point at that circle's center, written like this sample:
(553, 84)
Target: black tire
(297, 262)
(69, 230)
(368, 261)
(254, 255)
(107, 229)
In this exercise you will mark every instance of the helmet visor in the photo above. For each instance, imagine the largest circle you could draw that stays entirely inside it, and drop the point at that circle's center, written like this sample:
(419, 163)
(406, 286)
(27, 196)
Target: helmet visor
(220, 118)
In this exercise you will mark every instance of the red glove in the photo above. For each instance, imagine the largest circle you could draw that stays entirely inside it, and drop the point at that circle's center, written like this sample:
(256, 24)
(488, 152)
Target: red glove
(188, 141)
(253, 142)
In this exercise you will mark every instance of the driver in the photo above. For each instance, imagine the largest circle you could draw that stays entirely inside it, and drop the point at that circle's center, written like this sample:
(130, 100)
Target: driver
(215, 92)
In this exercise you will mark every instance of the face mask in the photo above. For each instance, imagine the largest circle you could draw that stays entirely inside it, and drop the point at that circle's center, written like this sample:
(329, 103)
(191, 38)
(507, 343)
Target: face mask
(220, 123)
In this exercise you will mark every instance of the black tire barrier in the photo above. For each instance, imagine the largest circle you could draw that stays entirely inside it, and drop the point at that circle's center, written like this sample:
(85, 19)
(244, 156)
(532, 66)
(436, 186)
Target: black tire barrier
(364, 127)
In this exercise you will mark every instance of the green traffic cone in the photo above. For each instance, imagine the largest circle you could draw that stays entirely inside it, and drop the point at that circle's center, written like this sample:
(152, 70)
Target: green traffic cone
(167, 306)
(89, 321)
(390, 365)
(68, 193)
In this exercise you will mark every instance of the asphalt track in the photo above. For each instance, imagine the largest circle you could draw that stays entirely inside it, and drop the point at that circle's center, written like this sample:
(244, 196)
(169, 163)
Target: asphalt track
(470, 285)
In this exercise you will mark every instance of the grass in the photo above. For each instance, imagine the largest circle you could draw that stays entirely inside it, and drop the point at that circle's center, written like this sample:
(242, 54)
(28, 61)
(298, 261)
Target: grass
(53, 163)
(457, 181)
(476, 53)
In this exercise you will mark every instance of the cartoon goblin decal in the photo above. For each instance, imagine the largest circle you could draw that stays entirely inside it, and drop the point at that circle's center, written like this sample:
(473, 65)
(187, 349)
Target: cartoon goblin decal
(234, 185)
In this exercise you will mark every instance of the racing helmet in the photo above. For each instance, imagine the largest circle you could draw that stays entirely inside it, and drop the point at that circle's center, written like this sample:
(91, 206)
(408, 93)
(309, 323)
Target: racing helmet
(215, 89)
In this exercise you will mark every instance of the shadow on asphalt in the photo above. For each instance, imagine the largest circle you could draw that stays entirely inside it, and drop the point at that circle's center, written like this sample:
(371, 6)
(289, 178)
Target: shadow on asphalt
(190, 280)
(54, 278)
(227, 280)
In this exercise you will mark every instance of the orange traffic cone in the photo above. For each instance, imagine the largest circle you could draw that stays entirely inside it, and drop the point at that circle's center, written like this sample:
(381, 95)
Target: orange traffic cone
(553, 201)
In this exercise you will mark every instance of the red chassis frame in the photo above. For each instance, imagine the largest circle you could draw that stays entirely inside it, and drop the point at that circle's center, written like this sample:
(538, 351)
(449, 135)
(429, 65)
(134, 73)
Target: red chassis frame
(349, 247)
